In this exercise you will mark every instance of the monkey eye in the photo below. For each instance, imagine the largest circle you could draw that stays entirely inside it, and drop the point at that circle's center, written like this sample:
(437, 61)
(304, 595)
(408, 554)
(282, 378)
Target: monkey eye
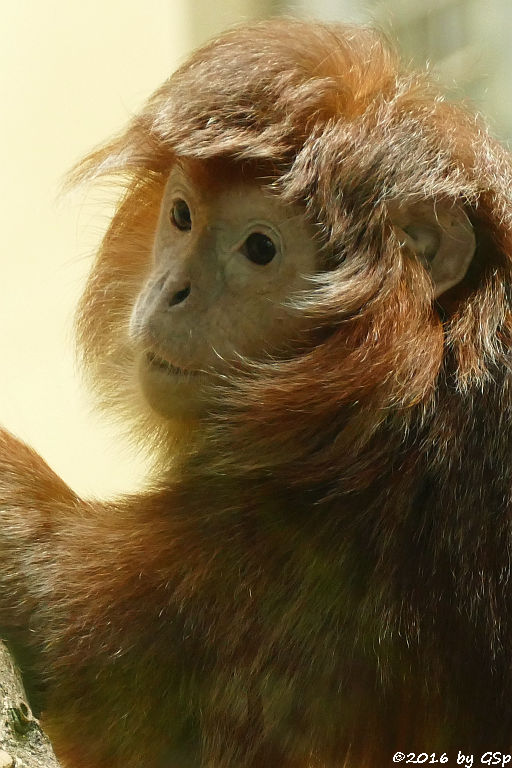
(259, 249)
(181, 216)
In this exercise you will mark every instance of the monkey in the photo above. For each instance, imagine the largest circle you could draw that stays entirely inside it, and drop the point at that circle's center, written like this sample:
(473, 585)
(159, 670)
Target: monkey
(302, 308)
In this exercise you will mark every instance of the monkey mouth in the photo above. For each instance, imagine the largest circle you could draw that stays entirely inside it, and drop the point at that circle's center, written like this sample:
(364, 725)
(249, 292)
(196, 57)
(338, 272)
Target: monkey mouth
(155, 361)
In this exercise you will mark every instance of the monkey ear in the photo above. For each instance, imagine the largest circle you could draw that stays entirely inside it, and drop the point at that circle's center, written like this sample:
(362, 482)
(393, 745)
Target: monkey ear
(441, 237)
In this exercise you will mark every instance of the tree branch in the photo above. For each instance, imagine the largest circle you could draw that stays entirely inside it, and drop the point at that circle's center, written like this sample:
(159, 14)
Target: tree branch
(22, 742)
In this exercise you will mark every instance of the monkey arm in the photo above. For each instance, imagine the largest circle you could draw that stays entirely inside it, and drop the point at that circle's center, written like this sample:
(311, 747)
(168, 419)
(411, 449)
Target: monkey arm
(83, 606)
(32, 499)
(115, 611)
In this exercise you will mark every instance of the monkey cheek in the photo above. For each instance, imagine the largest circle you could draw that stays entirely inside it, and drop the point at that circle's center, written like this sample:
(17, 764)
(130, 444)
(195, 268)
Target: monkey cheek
(171, 395)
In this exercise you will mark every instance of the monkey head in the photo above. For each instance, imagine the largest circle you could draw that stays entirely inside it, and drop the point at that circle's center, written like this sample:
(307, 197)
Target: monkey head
(295, 206)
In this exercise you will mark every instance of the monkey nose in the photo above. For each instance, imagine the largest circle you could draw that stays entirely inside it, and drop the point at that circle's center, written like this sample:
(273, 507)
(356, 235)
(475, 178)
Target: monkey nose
(179, 296)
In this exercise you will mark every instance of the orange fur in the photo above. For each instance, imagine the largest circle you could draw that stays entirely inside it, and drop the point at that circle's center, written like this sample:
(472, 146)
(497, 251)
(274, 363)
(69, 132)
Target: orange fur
(325, 580)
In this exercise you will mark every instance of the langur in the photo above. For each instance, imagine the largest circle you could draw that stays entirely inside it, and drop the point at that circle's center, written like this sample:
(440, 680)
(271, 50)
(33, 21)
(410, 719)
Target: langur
(302, 307)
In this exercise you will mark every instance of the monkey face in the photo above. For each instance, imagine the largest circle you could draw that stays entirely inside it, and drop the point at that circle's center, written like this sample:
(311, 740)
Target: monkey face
(228, 260)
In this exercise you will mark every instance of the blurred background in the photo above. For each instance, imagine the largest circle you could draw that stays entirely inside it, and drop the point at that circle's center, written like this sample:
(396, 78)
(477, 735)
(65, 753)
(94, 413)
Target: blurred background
(72, 73)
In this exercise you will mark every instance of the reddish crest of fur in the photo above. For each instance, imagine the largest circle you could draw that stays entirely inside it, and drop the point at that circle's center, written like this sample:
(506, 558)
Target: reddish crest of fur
(330, 120)
(328, 580)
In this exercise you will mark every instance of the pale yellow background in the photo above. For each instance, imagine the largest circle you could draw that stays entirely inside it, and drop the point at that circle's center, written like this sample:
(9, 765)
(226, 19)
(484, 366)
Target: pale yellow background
(71, 74)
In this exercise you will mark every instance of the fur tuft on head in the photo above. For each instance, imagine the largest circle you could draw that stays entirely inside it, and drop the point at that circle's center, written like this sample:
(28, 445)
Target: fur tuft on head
(326, 117)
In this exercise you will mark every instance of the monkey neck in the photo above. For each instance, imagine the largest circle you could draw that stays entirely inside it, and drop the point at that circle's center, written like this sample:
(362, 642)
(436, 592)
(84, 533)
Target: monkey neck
(444, 442)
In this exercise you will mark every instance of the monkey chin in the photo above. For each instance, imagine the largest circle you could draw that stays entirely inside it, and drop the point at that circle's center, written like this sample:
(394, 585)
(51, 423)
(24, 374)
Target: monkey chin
(173, 392)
